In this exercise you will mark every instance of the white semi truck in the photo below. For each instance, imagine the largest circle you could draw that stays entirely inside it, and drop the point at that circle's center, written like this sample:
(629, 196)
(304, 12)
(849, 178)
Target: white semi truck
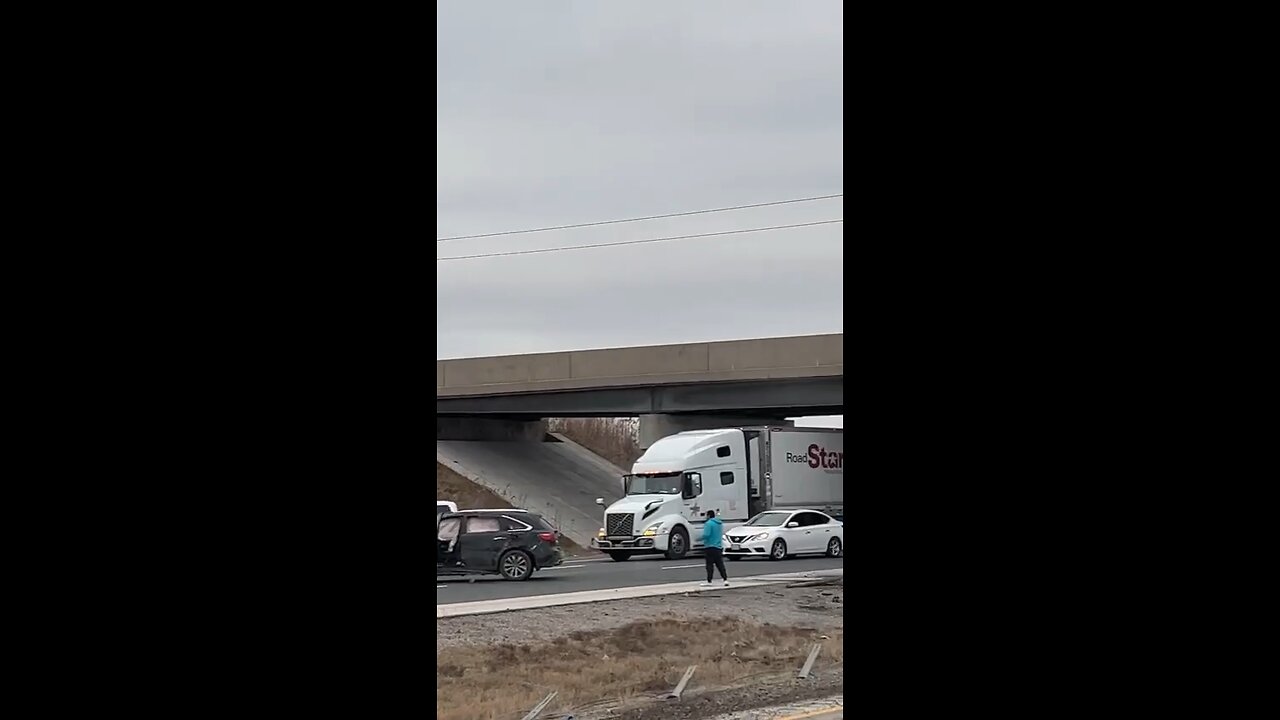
(738, 472)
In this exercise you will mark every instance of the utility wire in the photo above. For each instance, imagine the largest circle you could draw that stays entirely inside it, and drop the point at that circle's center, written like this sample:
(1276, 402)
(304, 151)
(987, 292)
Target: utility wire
(634, 242)
(638, 219)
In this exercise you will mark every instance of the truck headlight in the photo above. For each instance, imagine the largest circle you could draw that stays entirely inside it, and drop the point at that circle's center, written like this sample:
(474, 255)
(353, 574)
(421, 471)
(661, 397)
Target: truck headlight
(601, 533)
(652, 530)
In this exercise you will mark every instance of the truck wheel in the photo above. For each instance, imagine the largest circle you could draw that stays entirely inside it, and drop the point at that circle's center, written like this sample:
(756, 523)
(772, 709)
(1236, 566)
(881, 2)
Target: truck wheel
(515, 565)
(779, 551)
(620, 556)
(679, 544)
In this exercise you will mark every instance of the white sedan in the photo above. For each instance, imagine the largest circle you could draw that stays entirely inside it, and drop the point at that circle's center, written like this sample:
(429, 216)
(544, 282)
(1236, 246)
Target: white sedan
(778, 534)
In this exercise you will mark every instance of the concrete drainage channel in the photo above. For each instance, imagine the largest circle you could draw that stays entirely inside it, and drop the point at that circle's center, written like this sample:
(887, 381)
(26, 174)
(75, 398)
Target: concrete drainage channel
(481, 607)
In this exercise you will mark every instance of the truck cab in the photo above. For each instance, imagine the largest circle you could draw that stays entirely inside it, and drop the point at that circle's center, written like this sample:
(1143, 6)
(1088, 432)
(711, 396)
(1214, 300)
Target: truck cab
(669, 490)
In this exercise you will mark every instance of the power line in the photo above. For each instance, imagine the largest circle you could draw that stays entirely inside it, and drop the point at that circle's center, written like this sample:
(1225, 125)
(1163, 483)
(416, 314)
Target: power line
(634, 242)
(638, 219)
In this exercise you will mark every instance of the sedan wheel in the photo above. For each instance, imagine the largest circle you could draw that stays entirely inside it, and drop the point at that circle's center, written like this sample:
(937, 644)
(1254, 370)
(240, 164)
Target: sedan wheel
(835, 548)
(779, 551)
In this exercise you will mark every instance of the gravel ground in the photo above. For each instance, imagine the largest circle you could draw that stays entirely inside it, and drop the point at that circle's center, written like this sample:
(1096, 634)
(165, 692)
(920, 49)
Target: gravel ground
(783, 695)
(806, 608)
(798, 607)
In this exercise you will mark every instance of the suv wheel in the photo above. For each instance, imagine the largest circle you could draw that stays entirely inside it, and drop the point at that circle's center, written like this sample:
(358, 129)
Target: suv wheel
(515, 565)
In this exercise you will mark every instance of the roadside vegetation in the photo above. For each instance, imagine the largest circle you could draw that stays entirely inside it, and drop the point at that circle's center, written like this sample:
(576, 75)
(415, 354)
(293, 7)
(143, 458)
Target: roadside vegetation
(634, 662)
(614, 439)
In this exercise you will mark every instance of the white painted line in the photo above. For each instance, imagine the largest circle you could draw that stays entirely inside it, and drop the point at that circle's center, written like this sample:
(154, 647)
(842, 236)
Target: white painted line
(585, 560)
(559, 567)
(681, 567)
(440, 586)
(481, 607)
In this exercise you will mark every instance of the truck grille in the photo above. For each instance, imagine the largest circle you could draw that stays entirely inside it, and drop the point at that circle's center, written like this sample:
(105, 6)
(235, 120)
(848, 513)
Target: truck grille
(619, 524)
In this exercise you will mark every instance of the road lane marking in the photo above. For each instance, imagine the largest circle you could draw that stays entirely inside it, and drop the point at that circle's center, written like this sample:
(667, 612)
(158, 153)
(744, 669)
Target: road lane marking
(681, 567)
(440, 586)
(560, 567)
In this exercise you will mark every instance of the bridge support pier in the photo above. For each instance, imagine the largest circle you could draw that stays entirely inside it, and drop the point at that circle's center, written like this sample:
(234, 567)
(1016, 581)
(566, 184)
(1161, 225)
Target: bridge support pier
(656, 427)
(477, 428)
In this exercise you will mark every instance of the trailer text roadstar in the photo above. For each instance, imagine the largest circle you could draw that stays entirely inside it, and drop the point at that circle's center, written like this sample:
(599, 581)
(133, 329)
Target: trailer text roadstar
(738, 472)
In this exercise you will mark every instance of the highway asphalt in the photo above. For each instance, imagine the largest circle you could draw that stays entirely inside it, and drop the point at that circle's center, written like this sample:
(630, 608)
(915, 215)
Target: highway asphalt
(597, 572)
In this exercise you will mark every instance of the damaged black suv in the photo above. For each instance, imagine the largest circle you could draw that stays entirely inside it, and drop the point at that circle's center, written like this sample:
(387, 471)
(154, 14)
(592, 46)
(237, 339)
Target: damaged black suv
(511, 543)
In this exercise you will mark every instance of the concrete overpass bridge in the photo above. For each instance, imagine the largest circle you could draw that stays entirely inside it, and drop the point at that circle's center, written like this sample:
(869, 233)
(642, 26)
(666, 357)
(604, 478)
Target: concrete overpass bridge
(670, 387)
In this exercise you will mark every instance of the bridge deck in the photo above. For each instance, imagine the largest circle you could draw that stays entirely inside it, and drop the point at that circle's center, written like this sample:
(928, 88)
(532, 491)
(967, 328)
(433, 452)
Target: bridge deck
(808, 356)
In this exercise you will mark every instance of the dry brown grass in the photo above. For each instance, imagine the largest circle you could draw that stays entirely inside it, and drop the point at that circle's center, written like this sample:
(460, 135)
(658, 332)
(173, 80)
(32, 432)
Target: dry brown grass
(648, 657)
(613, 439)
(452, 486)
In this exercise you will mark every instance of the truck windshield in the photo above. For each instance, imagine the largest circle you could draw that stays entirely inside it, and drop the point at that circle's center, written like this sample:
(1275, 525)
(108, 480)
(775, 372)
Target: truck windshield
(664, 484)
(768, 519)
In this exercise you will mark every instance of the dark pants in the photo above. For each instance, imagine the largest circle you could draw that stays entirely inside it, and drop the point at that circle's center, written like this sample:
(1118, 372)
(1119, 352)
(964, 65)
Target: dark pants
(715, 558)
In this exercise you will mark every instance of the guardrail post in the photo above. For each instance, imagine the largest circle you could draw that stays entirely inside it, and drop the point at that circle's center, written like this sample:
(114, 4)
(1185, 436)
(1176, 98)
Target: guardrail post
(808, 664)
(537, 709)
(675, 694)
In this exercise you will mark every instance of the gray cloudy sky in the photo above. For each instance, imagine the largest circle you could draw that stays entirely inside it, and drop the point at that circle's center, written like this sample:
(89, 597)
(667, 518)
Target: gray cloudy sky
(558, 112)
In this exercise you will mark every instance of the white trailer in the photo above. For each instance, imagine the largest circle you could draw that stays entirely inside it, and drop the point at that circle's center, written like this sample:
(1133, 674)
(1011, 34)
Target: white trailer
(738, 472)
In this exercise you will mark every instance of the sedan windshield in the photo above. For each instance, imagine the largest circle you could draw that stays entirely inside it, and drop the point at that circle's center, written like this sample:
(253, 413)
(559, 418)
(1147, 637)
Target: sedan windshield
(769, 519)
(664, 484)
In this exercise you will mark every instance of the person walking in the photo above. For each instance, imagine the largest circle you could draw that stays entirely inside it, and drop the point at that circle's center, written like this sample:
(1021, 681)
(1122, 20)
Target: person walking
(713, 544)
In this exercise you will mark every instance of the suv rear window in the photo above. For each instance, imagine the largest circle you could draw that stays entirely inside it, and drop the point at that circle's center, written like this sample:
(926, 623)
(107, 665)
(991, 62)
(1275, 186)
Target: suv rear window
(535, 520)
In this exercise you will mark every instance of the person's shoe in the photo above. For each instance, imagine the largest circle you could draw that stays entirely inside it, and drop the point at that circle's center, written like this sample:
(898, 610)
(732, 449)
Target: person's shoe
(705, 584)
(726, 583)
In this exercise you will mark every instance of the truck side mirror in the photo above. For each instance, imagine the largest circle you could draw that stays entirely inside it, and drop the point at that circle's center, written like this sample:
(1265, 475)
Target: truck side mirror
(600, 502)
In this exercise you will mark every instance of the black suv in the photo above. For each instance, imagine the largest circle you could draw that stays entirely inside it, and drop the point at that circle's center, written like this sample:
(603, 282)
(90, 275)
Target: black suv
(510, 543)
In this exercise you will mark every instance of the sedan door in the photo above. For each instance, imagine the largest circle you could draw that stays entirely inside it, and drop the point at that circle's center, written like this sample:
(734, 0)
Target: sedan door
(823, 530)
(794, 536)
(812, 536)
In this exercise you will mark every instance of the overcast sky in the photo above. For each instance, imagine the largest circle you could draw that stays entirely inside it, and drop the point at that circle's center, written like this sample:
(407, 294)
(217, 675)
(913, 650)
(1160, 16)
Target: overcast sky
(558, 112)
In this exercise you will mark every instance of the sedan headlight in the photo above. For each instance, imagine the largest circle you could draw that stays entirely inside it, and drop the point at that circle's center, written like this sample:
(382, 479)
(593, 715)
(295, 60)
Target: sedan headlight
(758, 536)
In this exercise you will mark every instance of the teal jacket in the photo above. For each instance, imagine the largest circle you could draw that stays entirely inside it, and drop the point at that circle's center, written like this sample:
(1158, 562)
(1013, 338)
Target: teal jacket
(713, 533)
